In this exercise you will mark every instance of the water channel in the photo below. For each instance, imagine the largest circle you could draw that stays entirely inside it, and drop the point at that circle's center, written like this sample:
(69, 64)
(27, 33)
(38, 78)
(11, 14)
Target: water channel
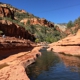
(54, 66)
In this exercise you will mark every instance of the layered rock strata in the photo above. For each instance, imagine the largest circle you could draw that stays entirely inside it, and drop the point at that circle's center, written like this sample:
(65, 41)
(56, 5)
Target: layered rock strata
(34, 21)
(69, 45)
(12, 45)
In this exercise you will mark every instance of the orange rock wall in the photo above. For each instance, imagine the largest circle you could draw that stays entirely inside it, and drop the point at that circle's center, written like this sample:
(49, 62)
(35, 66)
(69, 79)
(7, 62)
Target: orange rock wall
(39, 21)
(6, 12)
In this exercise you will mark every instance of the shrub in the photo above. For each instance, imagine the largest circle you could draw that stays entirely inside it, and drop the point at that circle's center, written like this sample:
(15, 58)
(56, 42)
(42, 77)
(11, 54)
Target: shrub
(37, 40)
(69, 24)
(1, 32)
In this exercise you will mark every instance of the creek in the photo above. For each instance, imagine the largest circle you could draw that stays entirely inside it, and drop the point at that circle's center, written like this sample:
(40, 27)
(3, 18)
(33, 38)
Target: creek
(54, 66)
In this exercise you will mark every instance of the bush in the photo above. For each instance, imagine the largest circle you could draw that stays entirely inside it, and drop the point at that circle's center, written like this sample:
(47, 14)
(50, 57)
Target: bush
(1, 32)
(37, 40)
(77, 21)
(70, 24)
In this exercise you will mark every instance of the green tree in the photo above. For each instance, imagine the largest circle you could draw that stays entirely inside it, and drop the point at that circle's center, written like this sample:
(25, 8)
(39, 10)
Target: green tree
(69, 24)
(77, 21)
(37, 40)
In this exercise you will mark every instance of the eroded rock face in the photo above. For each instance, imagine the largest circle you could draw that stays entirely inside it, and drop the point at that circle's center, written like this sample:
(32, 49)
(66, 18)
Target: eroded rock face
(6, 12)
(35, 21)
(23, 11)
(11, 29)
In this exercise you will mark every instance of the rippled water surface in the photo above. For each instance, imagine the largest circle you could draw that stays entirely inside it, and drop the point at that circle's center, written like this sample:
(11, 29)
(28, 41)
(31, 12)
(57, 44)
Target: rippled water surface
(51, 66)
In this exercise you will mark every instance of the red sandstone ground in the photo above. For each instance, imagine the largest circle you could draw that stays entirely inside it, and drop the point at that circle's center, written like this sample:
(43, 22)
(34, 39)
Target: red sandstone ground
(13, 67)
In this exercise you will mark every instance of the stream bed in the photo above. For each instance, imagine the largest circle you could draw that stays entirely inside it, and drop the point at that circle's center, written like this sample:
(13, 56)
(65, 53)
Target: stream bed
(54, 66)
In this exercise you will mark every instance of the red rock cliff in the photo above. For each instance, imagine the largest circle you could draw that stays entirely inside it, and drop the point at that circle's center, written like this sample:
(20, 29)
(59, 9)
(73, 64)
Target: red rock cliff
(39, 21)
(6, 12)
(11, 29)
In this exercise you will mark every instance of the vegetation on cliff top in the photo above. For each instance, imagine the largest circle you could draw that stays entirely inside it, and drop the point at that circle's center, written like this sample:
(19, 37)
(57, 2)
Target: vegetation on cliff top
(74, 25)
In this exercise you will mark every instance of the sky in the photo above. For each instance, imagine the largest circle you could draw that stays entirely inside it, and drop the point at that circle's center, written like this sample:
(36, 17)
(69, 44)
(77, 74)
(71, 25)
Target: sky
(57, 11)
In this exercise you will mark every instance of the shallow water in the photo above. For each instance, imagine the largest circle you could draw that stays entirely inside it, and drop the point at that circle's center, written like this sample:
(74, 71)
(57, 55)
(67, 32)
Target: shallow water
(51, 66)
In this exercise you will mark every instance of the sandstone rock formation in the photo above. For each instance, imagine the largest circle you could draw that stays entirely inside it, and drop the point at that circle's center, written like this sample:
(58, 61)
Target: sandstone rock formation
(11, 8)
(6, 12)
(11, 29)
(39, 21)
(12, 45)
(16, 64)
(69, 45)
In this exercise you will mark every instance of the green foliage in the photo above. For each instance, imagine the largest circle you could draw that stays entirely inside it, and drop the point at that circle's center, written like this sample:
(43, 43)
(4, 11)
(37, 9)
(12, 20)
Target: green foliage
(1, 32)
(75, 24)
(69, 24)
(31, 28)
(77, 21)
(28, 22)
(21, 16)
(14, 21)
(43, 33)
(37, 40)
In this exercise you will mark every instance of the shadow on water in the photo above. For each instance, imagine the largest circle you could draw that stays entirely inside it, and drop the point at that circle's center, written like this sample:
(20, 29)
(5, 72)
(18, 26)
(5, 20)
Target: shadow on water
(53, 66)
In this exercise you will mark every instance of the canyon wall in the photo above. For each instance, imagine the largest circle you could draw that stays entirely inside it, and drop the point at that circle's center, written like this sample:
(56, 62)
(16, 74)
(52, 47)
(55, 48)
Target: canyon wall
(39, 21)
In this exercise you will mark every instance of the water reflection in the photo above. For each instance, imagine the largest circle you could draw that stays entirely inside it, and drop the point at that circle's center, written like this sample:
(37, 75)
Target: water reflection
(42, 64)
(71, 62)
(51, 66)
